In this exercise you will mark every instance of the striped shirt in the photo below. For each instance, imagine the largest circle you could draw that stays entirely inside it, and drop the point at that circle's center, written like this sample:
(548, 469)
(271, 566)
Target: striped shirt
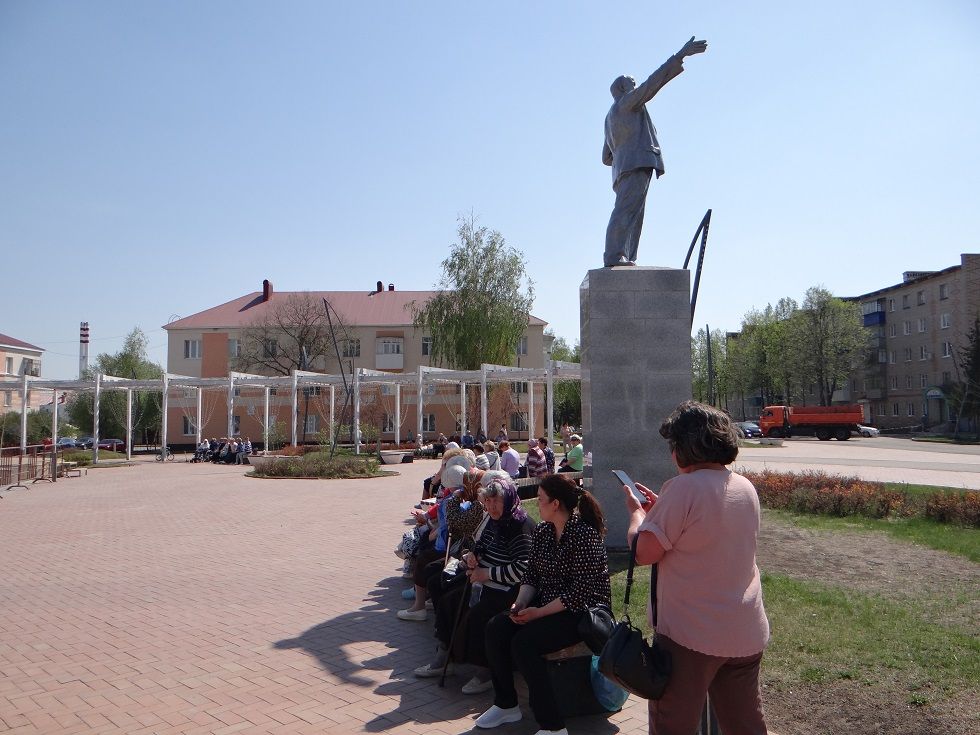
(503, 549)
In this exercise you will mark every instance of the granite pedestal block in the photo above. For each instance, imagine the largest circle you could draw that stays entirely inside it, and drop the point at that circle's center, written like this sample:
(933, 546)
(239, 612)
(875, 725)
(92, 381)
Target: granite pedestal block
(636, 368)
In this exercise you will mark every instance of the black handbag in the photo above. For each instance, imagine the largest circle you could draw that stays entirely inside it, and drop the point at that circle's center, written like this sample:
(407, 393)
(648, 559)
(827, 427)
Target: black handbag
(627, 659)
(595, 627)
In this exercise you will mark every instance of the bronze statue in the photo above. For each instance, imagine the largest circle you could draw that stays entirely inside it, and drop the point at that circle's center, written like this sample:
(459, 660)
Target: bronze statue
(631, 148)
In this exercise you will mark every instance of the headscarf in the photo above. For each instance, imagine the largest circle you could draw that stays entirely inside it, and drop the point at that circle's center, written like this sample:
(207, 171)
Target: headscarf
(512, 499)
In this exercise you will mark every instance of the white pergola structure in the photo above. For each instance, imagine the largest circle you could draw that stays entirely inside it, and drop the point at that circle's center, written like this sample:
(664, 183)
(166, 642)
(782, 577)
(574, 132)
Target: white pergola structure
(299, 379)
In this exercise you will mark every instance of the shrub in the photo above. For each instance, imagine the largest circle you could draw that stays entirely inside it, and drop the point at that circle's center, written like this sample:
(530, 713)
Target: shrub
(960, 508)
(319, 464)
(818, 492)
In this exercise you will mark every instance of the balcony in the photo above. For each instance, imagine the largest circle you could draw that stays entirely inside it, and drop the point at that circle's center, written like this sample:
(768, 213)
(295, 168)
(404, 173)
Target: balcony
(874, 318)
(389, 362)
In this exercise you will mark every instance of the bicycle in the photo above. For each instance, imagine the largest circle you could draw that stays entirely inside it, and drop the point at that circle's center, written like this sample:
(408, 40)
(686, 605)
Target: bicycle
(170, 455)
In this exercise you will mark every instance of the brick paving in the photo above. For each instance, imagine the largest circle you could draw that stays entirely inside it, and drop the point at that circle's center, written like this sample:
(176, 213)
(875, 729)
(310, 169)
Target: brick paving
(182, 598)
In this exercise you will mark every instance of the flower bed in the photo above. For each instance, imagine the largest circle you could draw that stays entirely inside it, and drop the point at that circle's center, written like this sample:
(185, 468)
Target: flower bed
(319, 464)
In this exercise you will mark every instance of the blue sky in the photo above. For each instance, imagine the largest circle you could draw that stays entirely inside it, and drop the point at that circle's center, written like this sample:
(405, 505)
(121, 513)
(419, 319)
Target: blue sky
(159, 158)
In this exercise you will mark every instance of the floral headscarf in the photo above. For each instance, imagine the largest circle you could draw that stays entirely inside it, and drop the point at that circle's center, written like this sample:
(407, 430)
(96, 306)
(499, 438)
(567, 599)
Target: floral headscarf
(512, 500)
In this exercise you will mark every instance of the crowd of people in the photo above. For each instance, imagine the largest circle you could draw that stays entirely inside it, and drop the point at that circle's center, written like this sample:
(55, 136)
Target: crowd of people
(226, 450)
(506, 593)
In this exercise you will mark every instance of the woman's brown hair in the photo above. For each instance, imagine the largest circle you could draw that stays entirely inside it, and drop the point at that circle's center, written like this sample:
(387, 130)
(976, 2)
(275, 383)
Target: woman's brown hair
(700, 434)
(570, 496)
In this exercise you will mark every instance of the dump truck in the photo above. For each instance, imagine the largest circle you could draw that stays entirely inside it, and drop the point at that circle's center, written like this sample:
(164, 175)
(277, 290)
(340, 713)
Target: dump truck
(824, 422)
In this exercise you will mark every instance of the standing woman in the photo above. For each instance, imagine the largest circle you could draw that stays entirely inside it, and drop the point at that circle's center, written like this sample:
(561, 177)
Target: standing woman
(702, 533)
(568, 572)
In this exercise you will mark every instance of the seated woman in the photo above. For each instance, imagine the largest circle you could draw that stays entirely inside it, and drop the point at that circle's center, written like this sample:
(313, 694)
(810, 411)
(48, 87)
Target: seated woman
(495, 568)
(568, 572)
(702, 533)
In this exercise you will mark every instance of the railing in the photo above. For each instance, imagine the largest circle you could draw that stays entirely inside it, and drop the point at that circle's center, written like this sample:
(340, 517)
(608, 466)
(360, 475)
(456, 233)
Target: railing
(17, 468)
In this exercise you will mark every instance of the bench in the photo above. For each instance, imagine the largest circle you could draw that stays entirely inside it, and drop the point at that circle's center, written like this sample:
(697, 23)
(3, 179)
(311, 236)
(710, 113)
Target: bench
(527, 487)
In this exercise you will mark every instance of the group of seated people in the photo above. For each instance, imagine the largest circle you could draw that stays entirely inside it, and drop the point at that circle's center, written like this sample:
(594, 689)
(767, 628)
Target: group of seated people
(234, 450)
(507, 592)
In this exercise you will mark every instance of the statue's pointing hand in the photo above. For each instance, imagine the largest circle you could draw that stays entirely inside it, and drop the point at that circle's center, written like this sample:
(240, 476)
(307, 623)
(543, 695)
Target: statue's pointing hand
(693, 47)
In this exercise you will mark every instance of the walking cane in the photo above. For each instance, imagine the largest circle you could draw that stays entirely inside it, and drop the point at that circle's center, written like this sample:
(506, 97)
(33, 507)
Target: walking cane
(464, 598)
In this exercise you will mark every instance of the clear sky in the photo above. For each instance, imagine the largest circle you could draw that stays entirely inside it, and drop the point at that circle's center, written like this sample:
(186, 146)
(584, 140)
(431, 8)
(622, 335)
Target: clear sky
(160, 158)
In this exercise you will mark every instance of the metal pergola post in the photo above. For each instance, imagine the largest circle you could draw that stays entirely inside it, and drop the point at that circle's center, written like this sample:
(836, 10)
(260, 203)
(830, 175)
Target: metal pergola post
(165, 403)
(200, 414)
(418, 405)
(550, 382)
(129, 423)
(54, 435)
(295, 409)
(398, 414)
(357, 410)
(95, 417)
(265, 422)
(483, 400)
(23, 415)
(530, 410)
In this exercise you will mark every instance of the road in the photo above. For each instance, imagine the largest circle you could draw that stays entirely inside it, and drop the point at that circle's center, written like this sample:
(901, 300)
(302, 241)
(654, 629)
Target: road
(886, 459)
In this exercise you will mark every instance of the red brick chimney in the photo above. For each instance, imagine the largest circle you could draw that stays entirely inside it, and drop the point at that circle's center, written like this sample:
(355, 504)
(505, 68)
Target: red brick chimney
(266, 290)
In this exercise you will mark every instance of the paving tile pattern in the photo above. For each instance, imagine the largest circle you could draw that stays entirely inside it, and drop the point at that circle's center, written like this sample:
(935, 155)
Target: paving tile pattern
(182, 598)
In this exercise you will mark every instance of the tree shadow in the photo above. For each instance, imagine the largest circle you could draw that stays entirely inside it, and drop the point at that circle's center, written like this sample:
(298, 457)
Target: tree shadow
(408, 646)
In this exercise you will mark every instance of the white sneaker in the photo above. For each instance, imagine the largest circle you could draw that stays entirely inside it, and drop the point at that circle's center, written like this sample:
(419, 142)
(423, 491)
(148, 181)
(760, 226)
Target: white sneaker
(417, 615)
(430, 672)
(563, 731)
(476, 685)
(496, 716)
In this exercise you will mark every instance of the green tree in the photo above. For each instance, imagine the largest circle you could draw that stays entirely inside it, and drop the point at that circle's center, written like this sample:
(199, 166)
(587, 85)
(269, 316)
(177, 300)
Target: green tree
(38, 427)
(700, 389)
(832, 340)
(966, 395)
(130, 362)
(483, 303)
(568, 393)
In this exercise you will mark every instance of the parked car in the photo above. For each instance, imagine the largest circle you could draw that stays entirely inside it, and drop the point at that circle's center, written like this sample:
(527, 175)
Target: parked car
(748, 429)
(113, 445)
(67, 442)
(84, 442)
(867, 431)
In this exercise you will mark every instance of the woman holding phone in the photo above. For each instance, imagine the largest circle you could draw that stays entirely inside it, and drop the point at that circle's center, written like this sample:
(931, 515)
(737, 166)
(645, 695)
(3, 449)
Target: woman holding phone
(568, 572)
(702, 533)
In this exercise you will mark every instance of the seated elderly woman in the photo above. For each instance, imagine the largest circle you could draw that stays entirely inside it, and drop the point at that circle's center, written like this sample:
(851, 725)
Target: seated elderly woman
(494, 570)
(431, 556)
(568, 572)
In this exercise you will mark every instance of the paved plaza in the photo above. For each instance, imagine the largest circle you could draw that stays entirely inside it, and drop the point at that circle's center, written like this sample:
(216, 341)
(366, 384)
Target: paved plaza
(184, 598)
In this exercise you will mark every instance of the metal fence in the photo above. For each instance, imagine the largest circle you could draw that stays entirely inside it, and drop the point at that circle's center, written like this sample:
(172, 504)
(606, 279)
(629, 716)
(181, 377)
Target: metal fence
(18, 468)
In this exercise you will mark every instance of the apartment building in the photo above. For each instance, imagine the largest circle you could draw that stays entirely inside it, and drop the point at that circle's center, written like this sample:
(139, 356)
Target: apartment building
(380, 336)
(918, 328)
(19, 358)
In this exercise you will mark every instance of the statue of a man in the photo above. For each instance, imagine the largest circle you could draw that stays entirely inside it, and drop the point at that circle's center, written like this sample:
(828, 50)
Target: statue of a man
(632, 150)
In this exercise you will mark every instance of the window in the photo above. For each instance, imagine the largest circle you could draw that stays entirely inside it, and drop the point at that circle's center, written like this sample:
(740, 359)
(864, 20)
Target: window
(894, 409)
(8, 398)
(236, 424)
(922, 325)
(911, 408)
(238, 392)
(882, 409)
(189, 428)
(517, 387)
(9, 369)
(429, 422)
(891, 357)
(192, 349)
(273, 391)
(947, 349)
(946, 377)
(311, 391)
(270, 348)
(893, 381)
(944, 290)
(389, 346)
(522, 348)
(908, 381)
(518, 421)
(920, 297)
(234, 347)
(905, 301)
(908, 354)
(923, 380)
(352, 348)
(891, 304)
(893, 330)
(426, 346)
(312, 425)
(923, 352)
(944, 321)
(907, 328)
(389, 424)
(882, 355)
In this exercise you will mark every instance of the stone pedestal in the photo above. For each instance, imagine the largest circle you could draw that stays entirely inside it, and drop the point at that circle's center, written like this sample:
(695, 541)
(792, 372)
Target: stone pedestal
(636, 368)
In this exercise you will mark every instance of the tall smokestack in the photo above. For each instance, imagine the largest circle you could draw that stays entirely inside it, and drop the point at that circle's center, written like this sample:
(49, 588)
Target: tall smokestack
(82, 349)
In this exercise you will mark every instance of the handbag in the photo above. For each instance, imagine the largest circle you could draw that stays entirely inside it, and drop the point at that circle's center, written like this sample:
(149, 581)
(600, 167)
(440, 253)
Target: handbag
(595, 627)
(627, 659)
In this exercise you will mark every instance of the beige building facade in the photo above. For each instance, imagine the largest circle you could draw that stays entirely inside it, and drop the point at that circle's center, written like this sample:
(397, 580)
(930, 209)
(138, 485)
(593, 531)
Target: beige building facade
(918, 328)
(378, 336)
(19, 358)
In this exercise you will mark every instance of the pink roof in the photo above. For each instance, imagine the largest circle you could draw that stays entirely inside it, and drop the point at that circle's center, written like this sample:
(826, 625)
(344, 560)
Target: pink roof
(356, 308)
(7, 341)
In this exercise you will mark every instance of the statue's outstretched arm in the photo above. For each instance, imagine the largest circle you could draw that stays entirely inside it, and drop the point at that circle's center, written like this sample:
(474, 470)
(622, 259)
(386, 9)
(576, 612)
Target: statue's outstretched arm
(670, 69)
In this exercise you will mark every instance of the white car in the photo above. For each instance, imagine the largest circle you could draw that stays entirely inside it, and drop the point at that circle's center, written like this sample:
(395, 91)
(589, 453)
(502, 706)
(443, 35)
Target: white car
(868, 431)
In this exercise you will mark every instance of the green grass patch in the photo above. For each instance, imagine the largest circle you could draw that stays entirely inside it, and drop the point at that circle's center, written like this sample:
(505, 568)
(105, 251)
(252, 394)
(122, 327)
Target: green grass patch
(821, 634)
(84, 456)
(321, 465)
(921, 491)
(931, 534)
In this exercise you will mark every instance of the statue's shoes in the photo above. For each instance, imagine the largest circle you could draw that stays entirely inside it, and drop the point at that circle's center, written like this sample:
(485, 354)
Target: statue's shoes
(622, 261)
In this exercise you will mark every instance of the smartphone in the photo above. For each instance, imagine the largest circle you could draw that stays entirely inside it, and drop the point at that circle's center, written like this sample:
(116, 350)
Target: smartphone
(625, 479)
